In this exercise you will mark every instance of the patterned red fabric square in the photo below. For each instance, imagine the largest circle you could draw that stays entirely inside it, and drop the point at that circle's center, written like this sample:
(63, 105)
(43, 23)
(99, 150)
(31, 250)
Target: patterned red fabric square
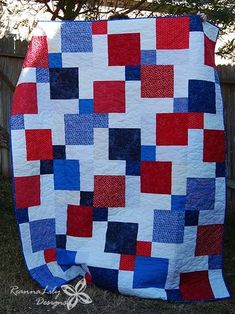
(27, 191)
(172, 33)
(79, 221)
(124, 49)
(195, 286)
(209, 240)
(109, 191)
(109, 96)
(25, 99)
(99, 27)
(156, 177)
(214, 146)
(172, 128)
(39, 144)
(127, 262)
(50, 255)
(37, 53)
(209, 51)
(143, 248)
(157, 81)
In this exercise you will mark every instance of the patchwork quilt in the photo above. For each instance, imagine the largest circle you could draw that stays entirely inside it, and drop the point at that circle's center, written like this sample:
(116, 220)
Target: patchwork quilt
(118, 157)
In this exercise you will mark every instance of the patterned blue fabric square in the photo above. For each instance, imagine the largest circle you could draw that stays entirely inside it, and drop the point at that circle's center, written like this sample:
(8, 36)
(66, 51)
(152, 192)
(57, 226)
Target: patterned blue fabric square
(65, 256)
(55, 60)
(215, 262)
(64, 83)
(150, 272)
(195, 24)
(132, 73)
(148, 57)
(124, 144)
(220, 169)
(61, 241)
(22, 215)
(100, 120)
(99, 276)
(191, 217)
(78, 129)
(66, 175)
(170, 232)
(132, 168)
(148, 152)
(100, 214)
(86, 106)
(180, 104)
(200, 194)
(201, 96)
(59, 152)
(121, 237)
(178, 202)
(17, 122)
(80, 41)
(42, 75)
(46, 166)
(42, 240)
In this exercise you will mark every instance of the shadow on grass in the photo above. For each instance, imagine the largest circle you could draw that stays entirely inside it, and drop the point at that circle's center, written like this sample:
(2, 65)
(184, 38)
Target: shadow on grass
(13, 273)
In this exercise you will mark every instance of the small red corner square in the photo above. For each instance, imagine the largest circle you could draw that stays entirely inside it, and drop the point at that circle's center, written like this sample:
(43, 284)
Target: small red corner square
(99, 27)
(127, 262)
(39, 144)
(50, 255)
(143, 248)
(209, 240)
(27, 190)
(25, 99)
(214, 146)
(37, 53)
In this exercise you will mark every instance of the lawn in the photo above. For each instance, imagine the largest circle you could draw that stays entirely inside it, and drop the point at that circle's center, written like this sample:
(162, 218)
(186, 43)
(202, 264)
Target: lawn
(13, 273)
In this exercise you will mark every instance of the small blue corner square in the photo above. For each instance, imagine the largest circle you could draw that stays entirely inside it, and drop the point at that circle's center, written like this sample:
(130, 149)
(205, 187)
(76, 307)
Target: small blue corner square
(55, 60)
(65, 256)
(132, 168)
(178, 202)
(220, 169)
(180, 104)
(148, 57)
(100, 214)
(42, 75)
(86, 106)
(191, 217)
(195, 24)
(215, 262)
(148, 152)
(132, 73)
(46, 166)
(61, 241)
(99, 276)
(22, 215)
(17, 122)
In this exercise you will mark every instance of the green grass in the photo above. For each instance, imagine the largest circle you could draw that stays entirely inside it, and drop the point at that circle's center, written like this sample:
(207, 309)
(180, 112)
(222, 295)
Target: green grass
(13, 273)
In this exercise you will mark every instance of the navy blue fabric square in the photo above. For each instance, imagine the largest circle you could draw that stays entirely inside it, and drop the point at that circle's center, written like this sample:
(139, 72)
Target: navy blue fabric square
(86, 106)
(220, 169)
(81, 31)
(132, 168)
(180, 104)
(17, 122)
(86, 198)
(64, 83)
(46, 166)
(42, 75)
(173, 295)
(195, 24)
(150, 272)
(121, 237)
(215, 262)
(55, 60)
(148, 152)
(217, 79)
(22, 215)
(105, 278)
(42, 240)
(124, 144)
(191, 217)
(201, 96)
(59, 152)
(178, 202)
(132, 73)
(100, 214)
(61, 241)
(148, 57)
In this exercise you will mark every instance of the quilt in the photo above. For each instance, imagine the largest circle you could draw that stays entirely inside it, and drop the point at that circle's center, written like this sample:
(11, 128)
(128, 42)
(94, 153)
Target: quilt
(118, 157)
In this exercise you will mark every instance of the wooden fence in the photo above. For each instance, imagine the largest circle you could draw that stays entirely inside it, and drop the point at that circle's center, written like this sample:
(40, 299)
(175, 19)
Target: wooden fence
(11, 58)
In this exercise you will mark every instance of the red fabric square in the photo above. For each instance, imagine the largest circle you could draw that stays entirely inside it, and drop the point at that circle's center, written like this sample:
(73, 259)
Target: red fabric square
(50, 255)
(99, 27)
(39, 144)
(195, 286)
(209, 240)
(209, 51)
(25, 99)
(109, 191)
(27, 191)
(214, 146)
(156, 177)
(143, 248)
(127, 262)
(37, 53)
(172, 33)
(172, 128)
(124, 49)
(109, 96)
(79, 221)
(157, 81)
